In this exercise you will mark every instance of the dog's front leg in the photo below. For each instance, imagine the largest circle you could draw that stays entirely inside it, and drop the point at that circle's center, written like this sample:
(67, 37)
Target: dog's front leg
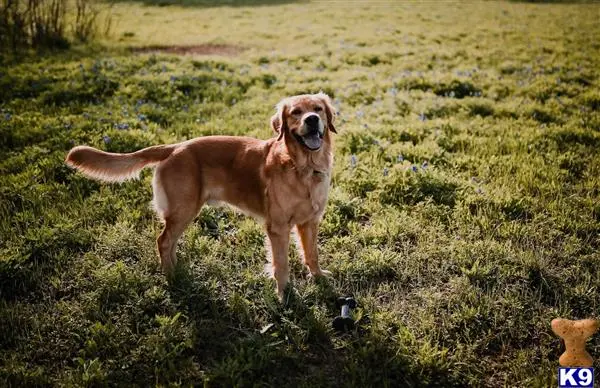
(308, 240)
(279, 238)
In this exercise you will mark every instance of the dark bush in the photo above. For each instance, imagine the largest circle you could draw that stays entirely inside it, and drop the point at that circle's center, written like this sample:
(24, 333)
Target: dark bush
(43, 23)
(456, 89)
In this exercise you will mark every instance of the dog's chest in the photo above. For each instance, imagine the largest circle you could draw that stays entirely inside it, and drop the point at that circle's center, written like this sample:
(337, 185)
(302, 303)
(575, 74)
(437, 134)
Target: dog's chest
(318, 189)
(312, 197)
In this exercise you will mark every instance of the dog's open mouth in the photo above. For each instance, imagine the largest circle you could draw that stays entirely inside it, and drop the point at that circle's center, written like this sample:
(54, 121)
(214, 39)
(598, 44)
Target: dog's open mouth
(312, 140)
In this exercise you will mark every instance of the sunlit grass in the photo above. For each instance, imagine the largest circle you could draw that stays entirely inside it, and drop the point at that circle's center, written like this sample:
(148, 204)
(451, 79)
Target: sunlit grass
(463, 214)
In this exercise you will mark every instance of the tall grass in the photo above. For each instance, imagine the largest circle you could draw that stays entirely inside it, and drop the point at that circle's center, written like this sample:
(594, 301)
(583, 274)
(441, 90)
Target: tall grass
(50, 23)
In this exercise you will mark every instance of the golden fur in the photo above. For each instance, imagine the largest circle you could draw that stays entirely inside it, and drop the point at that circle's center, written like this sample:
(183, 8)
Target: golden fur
(283, 181)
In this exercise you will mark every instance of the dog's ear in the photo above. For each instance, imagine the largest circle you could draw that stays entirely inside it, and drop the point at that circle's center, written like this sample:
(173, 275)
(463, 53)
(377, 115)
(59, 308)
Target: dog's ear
(279, 119)
(275, 122)
(329, 110)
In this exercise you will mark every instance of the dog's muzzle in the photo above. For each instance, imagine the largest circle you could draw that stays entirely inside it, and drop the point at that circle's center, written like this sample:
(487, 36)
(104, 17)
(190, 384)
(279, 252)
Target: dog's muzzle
(312, 136)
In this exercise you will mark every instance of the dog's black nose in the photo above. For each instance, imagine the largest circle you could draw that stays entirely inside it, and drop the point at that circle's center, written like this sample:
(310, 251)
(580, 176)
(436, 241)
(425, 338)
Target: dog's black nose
(312, 120)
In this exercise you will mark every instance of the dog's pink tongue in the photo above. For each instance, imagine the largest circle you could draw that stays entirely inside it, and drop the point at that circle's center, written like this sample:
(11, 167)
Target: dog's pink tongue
(312, 141)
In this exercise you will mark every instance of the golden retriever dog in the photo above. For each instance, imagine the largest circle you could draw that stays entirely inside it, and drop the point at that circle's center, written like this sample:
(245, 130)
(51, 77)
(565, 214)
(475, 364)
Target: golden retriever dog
(283, 181)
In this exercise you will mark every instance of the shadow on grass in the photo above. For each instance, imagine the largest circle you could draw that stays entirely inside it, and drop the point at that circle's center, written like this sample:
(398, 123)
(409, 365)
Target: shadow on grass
(216, 3)
(74, 53)
(297, 347)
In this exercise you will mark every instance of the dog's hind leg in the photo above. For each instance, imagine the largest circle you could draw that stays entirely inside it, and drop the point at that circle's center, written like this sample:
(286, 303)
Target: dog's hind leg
(177, 200)
(167, 241)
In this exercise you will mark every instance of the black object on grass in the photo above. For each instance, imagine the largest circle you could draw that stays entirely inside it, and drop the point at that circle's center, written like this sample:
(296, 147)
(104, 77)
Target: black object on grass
(344, 322)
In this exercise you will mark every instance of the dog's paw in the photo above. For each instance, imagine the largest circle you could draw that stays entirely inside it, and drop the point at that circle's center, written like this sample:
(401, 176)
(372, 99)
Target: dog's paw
(287, 294)
(321, 273)
(326, 273)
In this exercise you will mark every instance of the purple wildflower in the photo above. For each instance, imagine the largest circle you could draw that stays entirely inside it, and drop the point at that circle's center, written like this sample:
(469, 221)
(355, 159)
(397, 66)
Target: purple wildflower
(353, 161)
(106, 139)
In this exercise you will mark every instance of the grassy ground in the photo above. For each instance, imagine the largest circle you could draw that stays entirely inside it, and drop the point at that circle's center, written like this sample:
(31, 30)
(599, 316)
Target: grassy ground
(464, 213)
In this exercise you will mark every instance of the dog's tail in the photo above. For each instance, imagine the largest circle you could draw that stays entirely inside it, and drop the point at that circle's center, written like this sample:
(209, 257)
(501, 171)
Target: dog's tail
(112, 167)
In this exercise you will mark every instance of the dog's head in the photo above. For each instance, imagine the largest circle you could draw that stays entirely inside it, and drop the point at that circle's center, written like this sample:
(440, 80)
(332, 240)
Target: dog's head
(307, 119)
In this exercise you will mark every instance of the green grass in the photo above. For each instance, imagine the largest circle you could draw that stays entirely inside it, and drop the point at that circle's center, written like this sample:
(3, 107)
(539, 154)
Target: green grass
(464, 211)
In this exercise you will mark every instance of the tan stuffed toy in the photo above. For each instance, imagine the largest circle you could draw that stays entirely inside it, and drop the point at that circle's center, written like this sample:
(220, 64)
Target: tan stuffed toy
(575, 333)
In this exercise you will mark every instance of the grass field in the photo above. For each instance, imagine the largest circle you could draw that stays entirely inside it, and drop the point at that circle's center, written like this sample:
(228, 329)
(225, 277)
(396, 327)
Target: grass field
(464, 213)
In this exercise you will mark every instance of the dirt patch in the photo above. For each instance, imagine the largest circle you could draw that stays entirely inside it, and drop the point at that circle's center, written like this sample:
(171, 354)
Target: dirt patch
(201, 49)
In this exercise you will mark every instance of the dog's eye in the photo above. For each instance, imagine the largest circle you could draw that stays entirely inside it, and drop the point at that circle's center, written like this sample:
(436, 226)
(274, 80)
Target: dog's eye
(296, 111)
(318, 108)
